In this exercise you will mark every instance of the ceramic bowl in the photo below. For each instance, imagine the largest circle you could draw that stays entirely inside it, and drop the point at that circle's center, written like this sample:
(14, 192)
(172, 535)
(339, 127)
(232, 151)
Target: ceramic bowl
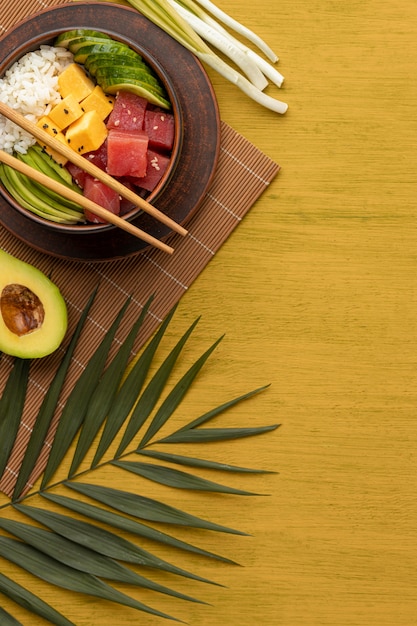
(197, 130)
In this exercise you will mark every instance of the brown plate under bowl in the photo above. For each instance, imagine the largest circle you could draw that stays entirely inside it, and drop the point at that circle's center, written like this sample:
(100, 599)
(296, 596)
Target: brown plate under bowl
(197, 139)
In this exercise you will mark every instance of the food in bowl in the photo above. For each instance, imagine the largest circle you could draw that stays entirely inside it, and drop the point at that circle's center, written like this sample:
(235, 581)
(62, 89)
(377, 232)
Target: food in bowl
(104, 101)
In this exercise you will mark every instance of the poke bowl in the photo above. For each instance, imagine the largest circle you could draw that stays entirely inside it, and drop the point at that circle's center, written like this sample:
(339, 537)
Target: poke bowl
(125, 96)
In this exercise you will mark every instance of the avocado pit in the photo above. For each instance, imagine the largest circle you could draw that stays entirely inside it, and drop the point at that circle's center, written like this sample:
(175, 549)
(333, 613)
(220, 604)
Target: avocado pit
(21, 309)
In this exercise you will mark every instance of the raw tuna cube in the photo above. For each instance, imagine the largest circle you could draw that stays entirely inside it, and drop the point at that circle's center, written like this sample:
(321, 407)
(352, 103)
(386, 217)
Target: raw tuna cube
(126, 153)
(159, 126)
(125, 204)
(101, 194)
(128, 112)
(157, 165)
(99, 156)
(78, 174)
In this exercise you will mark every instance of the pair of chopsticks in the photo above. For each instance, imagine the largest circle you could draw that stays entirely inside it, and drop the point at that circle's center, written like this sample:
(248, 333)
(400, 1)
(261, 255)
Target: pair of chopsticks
(95, 171)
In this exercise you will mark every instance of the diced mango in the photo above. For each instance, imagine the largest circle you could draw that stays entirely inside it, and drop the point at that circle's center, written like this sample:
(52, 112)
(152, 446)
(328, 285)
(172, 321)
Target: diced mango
(98, 101)
(52, 129)
(73, 80)
(87, 133)
(66, 112)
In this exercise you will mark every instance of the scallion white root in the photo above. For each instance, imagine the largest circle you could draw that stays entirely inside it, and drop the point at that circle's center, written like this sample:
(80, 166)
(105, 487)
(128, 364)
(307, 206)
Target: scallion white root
(239, 28)
(224, 45)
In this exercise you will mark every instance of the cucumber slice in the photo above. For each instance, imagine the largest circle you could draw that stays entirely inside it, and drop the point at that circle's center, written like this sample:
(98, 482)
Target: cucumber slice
(79, 42)
(110, 48)
(95, 61)
(127, 74)
(64, 39)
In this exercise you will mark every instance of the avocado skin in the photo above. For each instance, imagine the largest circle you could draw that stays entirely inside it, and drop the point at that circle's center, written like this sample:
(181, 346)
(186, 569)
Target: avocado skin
(46, 339)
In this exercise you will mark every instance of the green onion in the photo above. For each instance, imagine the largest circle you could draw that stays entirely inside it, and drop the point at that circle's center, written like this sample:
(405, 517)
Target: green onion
(192, 26)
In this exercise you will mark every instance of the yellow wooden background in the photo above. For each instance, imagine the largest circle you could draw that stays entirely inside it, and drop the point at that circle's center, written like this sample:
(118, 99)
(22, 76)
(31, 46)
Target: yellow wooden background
(316, 292)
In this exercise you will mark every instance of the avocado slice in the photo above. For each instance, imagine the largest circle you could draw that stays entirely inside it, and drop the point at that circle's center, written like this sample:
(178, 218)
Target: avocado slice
(114, 84)
(33, 313)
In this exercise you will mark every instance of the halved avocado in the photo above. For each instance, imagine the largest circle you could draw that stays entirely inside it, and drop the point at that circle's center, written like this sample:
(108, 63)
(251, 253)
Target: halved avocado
(33, 313)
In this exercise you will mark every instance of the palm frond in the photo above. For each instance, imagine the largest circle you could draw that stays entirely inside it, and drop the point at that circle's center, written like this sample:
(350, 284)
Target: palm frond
(147, 508)
(188, 461)
(31, 602)
(52, 571)
(101, 540)
(8, 620)
(81, 558)
(177, 479)
(48, 407)
(75, 408)
(152, 393)
(130, 391)
(205, 435)
(114, 405)
(104, 394)
(126, 524)
(11, 408)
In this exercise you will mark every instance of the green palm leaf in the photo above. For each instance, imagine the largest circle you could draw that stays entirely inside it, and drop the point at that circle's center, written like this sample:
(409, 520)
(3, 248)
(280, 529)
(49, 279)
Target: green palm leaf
(76, 406)
(60, 575)
(31, 602)
(152, 393)
(206, 417)
(11, 408)
(126, 524)
(81, 558)
(203, 463)
(177, 479)
(48, 407)
(104, 395)
(147, 508)
(176, 396)
(107, 406)
(101, 540)
(128, 394)
(205, 435)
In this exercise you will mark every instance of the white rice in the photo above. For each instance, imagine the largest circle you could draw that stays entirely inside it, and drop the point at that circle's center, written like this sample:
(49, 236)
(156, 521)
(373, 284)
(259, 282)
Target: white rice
(30, 87)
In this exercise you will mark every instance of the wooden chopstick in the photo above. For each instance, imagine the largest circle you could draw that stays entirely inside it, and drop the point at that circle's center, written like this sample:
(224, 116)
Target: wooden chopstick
(70, 194)
(89, 167)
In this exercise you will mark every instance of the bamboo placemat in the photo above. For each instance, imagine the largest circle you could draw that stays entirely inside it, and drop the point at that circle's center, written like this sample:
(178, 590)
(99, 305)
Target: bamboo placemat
(242, 175)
